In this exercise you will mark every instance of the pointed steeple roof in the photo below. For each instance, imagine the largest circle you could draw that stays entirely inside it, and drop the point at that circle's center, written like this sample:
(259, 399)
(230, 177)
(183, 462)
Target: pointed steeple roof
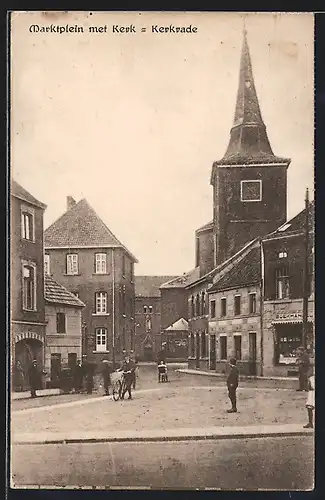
(79, 227)
(248, 142)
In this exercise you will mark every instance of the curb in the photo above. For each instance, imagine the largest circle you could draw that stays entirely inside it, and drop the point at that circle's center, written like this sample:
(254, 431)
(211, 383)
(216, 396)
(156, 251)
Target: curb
(152, 439)
(242, 377)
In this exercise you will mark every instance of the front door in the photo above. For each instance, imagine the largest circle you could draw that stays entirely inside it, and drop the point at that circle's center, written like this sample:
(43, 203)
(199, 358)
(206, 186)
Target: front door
(252, 353)
(197, 361)
(55, 369)
(212, 352)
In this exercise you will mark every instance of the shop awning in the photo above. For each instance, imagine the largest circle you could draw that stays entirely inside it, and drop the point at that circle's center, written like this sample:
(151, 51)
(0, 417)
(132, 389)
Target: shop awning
(290, 318)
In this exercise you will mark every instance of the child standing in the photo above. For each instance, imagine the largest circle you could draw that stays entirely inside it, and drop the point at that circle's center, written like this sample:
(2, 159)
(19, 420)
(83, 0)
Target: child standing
(310, 403)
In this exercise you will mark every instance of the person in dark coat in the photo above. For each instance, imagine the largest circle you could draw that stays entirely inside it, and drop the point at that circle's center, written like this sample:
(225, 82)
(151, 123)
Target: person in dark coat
(232, 384)
(90, 377)
(78, 377)
(19, 377)
(106, 373)
(128, 368)
(303, 369)
(35, 378)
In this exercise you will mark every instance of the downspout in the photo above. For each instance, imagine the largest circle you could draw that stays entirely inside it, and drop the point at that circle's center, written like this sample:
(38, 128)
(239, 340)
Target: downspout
(113, 308)
(262, 289)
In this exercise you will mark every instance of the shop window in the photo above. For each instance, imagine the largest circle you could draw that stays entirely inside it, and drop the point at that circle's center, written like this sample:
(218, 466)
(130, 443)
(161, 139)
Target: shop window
(213, 308)
(252, 303)
(60, 323)
(282, 283)
(288, 340)
(237, 346)
(237, 306)
(223, 347)
(223, 307)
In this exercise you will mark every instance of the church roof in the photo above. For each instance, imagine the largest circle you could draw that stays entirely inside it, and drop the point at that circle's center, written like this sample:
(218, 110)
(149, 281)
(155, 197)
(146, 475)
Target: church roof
(80, 226)
(148, 286)
(246, 272)
(58, 294)
(179, 325)
(249, 143)
(19, 192)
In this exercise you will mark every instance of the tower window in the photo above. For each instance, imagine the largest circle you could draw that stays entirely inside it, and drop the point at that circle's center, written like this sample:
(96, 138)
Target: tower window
(251, 190)
(282, 255)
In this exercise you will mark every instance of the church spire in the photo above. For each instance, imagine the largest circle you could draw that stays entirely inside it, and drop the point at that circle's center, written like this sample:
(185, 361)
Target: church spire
(248, 142)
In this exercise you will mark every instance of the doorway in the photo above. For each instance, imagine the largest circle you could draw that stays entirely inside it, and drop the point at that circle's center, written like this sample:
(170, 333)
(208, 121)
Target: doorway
(55, 370)
(252, 353)
(212, 365)
(72, 360)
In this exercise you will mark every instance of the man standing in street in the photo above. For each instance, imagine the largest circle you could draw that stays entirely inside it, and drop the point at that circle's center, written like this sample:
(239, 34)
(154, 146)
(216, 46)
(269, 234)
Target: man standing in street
(78, 377)
(303, 368)
(35, 379)
(106, 373)
(232, 384)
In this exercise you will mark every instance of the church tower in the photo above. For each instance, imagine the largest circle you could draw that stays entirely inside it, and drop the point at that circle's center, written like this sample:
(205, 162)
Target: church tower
(249, 182)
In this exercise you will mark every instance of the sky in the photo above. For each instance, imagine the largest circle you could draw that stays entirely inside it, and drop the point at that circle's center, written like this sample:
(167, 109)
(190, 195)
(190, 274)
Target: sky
(133, 121)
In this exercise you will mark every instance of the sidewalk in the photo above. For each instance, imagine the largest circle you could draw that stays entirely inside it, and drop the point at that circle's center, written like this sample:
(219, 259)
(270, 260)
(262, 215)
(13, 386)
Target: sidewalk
(288, 382)
(158, 435)
(40, 393)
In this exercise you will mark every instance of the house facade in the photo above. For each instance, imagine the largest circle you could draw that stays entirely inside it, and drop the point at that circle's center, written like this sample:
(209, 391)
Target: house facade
(148, 316)
(287, 252)
(27, 304)
(63, 341)
(84, 256)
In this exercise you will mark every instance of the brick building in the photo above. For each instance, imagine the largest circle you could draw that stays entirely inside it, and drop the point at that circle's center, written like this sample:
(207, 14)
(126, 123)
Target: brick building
(63, 341)
(84, 256)
(148, 315)
(27, 278)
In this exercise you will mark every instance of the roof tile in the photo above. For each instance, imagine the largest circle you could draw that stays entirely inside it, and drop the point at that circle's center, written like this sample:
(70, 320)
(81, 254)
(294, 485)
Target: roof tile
(58, 294)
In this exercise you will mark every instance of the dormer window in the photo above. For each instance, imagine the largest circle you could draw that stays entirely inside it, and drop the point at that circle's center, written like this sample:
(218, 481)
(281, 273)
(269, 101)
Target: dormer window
(251, 190)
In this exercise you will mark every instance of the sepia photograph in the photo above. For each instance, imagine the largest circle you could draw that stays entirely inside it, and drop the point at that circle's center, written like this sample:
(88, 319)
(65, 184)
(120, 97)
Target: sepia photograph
(161, 329)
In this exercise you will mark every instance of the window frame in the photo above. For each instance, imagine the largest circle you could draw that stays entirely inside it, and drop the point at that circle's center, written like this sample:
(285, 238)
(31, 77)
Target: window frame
(61, 320)
(252, 310)
(223, 307)
(285, 280)
(24, 210)
(223, 347)
(237, 296)
(213, 309)
(246, 181)
(67, 265)
(99, 262)
(29, 265)
(101, 332)
(101, 299)
(238, 336)
(47, 264)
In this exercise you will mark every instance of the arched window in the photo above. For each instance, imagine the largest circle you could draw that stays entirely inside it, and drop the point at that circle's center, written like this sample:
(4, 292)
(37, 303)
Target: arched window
(203, 304)
(192, 345)
(192, 307)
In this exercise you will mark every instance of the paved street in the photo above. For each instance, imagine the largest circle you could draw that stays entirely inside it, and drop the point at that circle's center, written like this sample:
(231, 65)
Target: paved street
(185, 403)
(267, 463)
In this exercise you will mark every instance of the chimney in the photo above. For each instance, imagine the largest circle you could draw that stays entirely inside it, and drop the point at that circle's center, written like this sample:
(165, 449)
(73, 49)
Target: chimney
(70, 202)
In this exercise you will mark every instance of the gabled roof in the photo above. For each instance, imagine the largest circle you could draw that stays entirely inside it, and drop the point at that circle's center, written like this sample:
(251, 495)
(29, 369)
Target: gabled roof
(179, 325)
(183, 280)
(148, 286)
(81, 227)
(19, 192)
(245, 272)
(248, 142)
(206, 227)
(58, 294)
(296, 225)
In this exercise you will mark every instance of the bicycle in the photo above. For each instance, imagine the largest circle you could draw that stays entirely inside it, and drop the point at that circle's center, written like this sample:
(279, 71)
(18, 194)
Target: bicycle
(120, 387)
